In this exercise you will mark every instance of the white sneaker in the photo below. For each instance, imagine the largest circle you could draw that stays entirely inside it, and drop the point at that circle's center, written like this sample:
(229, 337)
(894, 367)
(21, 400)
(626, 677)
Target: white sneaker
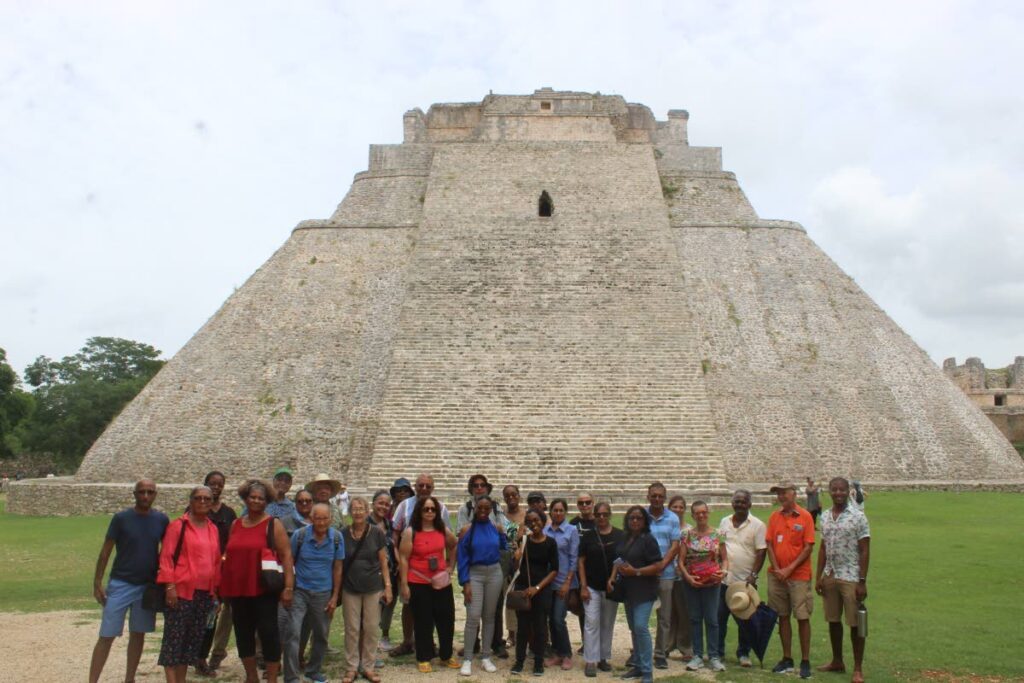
(695, 664)
(716, 664)
(488, 665)
(467, 668)
(745, 662)
(385, 645)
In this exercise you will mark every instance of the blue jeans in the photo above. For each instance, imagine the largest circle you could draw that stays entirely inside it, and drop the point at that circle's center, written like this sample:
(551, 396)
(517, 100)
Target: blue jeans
(638, 617)
(559, 631)
(743, 648)
(702, 603)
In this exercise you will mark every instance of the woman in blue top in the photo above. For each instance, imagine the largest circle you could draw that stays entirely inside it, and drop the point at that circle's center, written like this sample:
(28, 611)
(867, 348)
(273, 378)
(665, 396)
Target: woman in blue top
(567, 538)
(479, 555)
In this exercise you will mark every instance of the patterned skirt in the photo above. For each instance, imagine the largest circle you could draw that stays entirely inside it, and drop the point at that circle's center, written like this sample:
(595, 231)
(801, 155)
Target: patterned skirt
(184, 629)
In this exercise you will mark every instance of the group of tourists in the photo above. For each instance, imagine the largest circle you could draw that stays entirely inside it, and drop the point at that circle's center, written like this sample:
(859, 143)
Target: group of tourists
(276, 574)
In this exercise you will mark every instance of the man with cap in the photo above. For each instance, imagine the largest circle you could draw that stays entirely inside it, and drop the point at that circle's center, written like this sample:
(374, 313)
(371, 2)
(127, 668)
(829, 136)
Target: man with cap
(745, 546)
(790, 538)
(842, 576)
(324, 488)
(282, 506)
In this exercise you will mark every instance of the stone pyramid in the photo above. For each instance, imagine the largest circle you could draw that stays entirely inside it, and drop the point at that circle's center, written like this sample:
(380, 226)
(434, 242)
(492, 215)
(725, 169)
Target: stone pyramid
(650, 327)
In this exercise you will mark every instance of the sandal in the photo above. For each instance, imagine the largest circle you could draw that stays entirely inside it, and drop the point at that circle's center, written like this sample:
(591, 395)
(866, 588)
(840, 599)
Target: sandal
(424, 667)
(350, 676)
(371, 676)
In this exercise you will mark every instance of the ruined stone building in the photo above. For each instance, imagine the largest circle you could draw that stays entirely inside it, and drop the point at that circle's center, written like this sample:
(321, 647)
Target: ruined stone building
(998, 392)
(556, 290)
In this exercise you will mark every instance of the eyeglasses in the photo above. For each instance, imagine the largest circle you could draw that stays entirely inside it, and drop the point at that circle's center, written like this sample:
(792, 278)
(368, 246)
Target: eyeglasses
(304, 501)
(203, 499)
(479, 485)
(636, 518)
(602, 514)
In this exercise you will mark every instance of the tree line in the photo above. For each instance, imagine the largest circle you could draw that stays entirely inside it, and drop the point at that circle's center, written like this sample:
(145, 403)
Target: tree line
(67, 403)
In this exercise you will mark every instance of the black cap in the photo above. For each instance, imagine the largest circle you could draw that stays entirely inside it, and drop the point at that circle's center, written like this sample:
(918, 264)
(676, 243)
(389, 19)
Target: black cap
(535, 495)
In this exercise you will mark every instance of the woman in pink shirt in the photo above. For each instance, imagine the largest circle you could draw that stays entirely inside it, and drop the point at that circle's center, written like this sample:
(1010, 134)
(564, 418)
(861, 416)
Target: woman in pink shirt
(190, 572)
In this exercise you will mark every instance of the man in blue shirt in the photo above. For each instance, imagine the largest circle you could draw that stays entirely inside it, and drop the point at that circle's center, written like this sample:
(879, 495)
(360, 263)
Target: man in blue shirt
(318, 551)
(136, 533)
(665, 529)
(282, 507)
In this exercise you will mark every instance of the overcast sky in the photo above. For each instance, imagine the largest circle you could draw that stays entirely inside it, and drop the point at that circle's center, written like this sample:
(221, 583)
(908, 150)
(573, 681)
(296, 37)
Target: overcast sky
(154, 154)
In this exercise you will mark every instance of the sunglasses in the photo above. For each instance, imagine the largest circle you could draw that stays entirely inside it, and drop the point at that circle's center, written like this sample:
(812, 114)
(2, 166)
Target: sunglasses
(479, 485)
(304, 501)
(581, 503)
(430, 509)
(603, 514)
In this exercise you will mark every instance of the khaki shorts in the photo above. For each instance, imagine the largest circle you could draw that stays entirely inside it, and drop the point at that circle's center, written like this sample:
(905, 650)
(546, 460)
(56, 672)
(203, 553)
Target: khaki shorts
(790, 597)
(839, 596)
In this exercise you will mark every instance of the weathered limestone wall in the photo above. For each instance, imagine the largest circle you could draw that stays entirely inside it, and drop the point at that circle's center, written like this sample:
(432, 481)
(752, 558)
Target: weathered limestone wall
(999, 392)
(807, 375)
(288, 372)
(546, 350)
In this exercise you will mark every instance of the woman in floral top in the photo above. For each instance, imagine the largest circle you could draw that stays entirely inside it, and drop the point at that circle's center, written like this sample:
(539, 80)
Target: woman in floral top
(703, 563)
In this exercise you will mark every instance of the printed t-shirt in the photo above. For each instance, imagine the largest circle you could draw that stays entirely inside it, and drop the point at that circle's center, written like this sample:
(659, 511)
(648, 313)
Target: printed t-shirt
(314, 560)
(598, 553)
(841, 535)
(701, 552)
(787, 535)
(137, 540)
(363, 572)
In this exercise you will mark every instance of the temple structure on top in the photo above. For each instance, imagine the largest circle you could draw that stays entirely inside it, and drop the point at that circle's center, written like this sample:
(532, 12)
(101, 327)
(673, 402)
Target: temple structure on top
(559, 291)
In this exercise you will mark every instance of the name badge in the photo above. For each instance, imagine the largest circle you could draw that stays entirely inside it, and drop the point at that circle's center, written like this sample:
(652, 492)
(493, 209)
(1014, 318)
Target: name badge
(798, 527)
(778, 539)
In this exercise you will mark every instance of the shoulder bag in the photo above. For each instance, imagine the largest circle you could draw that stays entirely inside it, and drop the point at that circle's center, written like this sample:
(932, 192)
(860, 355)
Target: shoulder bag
(618, 591)
(518, 599)
(271, 571)
(155, 596)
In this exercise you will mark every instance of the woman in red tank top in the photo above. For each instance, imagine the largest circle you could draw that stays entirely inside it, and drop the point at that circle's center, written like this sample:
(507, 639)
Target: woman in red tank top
(425, 560)
(253, 610)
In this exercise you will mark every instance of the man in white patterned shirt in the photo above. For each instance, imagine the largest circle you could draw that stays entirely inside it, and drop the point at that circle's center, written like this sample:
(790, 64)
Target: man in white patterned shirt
(842, 576)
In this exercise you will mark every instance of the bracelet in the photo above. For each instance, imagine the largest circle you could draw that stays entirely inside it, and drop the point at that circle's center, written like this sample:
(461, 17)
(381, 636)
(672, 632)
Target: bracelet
(171, 587)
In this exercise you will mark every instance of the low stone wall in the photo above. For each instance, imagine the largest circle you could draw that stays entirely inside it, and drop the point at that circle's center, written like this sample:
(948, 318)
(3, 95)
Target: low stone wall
(65, 497)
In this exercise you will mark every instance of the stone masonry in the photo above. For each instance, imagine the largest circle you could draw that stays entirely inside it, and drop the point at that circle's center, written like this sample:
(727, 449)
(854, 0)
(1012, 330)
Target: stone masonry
(998, 392)
(652, 327)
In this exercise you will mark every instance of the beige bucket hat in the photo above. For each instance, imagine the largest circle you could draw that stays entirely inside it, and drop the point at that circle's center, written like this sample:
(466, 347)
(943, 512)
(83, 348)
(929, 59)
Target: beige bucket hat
(742, 599)
(322, 477)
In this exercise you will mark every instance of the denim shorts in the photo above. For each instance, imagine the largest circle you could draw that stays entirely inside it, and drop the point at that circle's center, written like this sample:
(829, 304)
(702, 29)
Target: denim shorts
(122, 596)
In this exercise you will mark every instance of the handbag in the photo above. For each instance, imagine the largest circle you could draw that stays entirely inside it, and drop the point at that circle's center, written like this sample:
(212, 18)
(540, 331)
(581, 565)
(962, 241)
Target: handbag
(440, 580)
(155, 596)
(518, 599)
(271, 571)
(573, 602)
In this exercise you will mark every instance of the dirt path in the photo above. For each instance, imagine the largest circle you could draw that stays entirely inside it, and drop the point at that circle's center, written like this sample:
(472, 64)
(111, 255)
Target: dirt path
(57, 646)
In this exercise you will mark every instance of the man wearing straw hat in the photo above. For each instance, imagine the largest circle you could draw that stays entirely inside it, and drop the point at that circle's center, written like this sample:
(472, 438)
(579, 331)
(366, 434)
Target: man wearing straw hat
(745, 547)
(324, 488)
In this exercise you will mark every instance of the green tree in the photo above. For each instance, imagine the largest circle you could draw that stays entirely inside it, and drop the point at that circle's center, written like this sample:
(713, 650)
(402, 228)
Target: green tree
(77, 396)
(15, 406)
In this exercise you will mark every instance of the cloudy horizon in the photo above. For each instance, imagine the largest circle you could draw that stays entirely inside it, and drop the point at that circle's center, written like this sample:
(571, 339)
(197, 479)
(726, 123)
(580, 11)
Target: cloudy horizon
(156, 154)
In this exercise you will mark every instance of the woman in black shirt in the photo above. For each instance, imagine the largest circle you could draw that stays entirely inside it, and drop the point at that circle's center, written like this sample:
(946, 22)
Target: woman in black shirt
(535, 576)
(597, 555)
(639, 565)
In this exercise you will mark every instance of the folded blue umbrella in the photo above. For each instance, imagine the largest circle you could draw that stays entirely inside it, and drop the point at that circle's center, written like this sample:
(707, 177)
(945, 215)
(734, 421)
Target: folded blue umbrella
(758, 629)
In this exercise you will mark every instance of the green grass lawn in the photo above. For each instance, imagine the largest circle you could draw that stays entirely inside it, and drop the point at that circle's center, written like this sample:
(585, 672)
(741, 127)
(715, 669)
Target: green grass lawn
(945, 589)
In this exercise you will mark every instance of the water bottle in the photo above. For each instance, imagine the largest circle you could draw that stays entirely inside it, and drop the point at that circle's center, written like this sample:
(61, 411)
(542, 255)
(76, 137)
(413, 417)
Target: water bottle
(862, 620)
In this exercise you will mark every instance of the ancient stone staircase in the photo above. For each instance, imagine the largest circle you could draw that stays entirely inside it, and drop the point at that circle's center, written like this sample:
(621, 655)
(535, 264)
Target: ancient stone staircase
(554, 353)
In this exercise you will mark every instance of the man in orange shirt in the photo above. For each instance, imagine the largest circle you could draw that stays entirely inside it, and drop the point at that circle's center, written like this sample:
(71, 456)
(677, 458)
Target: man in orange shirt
(790, 537)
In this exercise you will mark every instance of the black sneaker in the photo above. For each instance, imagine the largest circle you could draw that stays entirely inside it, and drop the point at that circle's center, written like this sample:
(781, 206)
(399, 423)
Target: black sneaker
(632, 674)
(501, 652)
(517, 668)
(538, 668)
(660, 663)
(805, 669)
(603, 665)
(590, 670)
(784, 666)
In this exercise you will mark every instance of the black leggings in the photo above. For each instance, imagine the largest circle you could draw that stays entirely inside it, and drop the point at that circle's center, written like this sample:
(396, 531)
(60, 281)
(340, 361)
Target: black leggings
(252, 616)
(432, 608)
(533, 628)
